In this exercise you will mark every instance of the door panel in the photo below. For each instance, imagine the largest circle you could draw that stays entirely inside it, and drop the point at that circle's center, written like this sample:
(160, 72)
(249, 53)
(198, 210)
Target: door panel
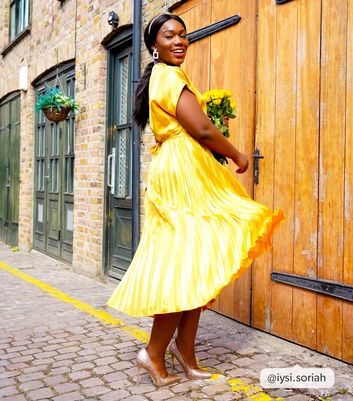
(54, 179)
(119, 166)
(9, 170)
(304, 132)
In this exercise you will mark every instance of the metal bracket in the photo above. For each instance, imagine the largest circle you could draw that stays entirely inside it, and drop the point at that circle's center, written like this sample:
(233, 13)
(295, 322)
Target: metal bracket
(321, 286)
(213, 28)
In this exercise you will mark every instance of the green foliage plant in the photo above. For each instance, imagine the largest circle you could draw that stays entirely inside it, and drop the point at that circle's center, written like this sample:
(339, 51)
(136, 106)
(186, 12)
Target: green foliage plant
(55, 98)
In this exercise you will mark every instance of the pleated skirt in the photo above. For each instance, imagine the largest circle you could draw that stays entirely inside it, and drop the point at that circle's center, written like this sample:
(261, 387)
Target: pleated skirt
(201, 232)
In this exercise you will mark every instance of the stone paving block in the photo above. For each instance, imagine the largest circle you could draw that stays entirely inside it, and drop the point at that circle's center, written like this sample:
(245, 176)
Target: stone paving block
(9, 390)
(69, 350)
(42, 361)
(80, 374)
(218, 351)
(32, 385)
(127, 356)
(93, 381)
(30, 376)
(70, 355)
(160, 395)
(61, 370)
(66, 387)
(141, 388)
(85, 358)
(96, 390)
(215, 389)
(115, 395)
(10, 356)
(122, 365)
(137, 398)
(20, 343)
(40, 394)
(229, 396)
(18, 397)
(122, 383)
(57, 379)
(114, 376)
(74, 396)
(82, 366)
(299, 397)
(87, 351)
(102, 370)
(7, 382)
(105, 361)
(342, 397)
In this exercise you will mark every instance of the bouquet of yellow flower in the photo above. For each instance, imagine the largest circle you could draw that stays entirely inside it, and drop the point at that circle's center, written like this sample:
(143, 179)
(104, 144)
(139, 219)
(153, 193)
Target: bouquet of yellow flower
(220, 107)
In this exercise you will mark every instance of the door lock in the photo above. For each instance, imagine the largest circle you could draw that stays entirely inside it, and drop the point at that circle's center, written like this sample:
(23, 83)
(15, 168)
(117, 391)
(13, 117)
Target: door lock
(257, 155)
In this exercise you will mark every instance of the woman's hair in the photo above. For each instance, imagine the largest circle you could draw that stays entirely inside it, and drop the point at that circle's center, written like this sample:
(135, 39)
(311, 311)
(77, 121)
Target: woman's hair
(141, 109)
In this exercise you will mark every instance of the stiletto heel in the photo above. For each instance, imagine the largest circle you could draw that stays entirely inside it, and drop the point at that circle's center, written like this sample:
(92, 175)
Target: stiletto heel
(192, 374)
(138, 379)
(143, 361)
(173, 362)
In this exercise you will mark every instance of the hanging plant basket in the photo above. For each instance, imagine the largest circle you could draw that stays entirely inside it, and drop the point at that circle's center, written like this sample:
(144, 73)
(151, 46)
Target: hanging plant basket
(56, 115)
(56, 105)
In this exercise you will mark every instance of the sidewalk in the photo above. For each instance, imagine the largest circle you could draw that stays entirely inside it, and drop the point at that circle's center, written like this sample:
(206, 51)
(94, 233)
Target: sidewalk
(58, 341)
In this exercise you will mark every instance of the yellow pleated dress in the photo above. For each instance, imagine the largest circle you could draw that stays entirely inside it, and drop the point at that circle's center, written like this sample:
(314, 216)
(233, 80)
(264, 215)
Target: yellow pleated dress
(202, 230)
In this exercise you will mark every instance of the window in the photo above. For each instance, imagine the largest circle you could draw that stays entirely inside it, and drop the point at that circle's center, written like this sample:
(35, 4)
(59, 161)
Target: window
(19, 17)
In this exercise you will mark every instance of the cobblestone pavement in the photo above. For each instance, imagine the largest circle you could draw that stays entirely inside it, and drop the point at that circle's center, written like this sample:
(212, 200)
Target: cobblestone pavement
(58, 341)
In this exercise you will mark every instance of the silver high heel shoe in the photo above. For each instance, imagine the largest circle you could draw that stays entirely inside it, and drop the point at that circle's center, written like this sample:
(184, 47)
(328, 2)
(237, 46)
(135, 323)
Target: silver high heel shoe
(192, 374)
(143, 361)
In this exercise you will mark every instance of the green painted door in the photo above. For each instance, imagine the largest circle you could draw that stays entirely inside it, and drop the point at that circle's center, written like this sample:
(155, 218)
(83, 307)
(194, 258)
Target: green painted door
(54, 179)
(119, 165)
(9, 169)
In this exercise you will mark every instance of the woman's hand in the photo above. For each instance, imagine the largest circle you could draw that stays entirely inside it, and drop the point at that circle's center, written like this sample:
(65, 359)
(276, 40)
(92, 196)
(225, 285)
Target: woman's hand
(242, 161)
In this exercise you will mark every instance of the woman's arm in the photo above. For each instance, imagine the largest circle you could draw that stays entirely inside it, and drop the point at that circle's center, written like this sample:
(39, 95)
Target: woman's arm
(197, 124)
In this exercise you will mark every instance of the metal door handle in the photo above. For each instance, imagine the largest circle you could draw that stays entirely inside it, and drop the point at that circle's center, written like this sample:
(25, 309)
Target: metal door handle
(111, 171)
(8, 176)
(256, 155)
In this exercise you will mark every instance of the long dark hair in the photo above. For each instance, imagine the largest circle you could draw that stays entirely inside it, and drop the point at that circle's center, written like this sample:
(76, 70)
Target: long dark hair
(141, 109)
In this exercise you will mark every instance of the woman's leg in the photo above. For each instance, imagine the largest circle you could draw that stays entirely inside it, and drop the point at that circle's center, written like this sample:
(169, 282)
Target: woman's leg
(162, 331)
(187, 329)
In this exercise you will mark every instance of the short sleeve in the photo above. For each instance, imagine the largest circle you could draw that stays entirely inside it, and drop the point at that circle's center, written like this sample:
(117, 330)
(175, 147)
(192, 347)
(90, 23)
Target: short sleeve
(167, 86)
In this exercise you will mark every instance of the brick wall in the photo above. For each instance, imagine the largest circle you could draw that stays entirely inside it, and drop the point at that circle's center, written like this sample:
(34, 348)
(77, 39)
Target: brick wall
(60, 32)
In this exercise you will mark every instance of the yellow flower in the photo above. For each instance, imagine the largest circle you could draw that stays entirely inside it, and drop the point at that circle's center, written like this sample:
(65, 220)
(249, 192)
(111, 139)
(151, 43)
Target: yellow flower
(232, 104)
(217, 101)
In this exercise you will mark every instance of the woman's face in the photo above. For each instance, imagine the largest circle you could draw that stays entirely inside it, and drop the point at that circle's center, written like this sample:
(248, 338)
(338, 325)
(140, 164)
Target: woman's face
(171, 43)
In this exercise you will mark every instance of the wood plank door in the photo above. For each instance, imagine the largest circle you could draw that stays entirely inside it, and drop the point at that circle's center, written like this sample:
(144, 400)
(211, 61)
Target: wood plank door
(226, 59)
(9, 169)
(304, 130)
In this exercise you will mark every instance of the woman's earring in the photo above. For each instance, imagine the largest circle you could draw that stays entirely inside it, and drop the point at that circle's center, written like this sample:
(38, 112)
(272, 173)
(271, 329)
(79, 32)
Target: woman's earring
(155, 54)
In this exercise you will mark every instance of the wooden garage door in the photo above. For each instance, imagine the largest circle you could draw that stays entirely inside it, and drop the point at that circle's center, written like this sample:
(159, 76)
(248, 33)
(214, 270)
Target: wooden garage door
(226, 59)
(305, 131)
(301, 119)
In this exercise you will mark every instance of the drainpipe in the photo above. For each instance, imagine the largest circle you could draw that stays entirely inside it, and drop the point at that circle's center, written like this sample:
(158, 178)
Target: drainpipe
(136, 65)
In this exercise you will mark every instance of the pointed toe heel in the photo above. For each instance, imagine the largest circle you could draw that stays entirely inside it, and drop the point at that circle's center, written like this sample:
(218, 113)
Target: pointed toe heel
(192, 374)
(143, 361)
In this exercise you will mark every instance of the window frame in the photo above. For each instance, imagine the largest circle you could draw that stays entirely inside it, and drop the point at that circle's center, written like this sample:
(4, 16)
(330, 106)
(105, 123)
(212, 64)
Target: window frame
(21, 18)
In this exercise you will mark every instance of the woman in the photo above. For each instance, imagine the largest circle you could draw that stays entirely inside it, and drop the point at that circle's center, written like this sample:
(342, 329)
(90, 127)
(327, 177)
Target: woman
(202, 230)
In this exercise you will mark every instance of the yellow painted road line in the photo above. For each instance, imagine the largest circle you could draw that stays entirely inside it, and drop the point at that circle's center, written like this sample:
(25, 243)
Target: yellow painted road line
(252, 392)
(97, 313)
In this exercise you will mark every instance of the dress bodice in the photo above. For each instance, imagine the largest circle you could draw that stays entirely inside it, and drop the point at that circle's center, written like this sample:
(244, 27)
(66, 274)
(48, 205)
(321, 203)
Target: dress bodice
(166, 85)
